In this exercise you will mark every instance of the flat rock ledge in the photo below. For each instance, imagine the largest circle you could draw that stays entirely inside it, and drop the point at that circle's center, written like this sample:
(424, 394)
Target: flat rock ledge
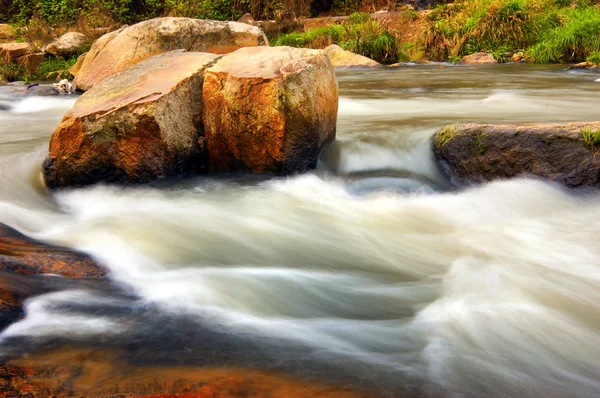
(564, 153)
(118, 50)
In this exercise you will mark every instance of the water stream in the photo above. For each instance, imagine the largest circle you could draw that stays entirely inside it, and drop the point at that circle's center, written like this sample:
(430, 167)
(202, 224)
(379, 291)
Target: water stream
(373, 271)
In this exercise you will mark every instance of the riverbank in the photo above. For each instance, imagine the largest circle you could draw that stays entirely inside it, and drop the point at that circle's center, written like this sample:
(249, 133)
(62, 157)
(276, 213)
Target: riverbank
(536, 31)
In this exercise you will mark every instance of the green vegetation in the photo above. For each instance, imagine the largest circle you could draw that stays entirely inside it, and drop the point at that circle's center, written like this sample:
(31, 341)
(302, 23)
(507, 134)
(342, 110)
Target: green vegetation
(590, 137)
(68, 12)
(11, 72)
(360, 34)
(50, 69)
(54, 68)
(594, 58)
(547, 30)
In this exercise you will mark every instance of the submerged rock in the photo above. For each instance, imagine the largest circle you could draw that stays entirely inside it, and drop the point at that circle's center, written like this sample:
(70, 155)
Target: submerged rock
(341, 58)
(269, 109)
(564, 153)
(42, 90)
(68, 44)
(109, 373)
(116, 51)
(583, 65)
(138, 126)
(22, 255)
(478, 59)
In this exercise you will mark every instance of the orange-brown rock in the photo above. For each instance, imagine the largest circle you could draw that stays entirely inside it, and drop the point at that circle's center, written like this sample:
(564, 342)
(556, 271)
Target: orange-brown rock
(269, 109)
(75, 68)
(22, 255)
(478, 59)
(30, 61)
(563, 153)
(116, 51)
(138, 126)
(15, 50)
(103, 373)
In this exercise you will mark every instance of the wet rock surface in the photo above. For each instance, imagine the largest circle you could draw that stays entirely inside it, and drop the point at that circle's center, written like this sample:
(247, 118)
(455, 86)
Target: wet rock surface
(138, 126)
(269, 109)
(563, 153)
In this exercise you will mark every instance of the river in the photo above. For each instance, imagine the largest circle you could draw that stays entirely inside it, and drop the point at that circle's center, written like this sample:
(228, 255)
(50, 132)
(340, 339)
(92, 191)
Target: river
(373, 272)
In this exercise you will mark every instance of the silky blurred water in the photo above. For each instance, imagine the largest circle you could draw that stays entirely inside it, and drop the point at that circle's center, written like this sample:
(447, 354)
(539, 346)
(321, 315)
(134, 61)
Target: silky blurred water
(373, 266)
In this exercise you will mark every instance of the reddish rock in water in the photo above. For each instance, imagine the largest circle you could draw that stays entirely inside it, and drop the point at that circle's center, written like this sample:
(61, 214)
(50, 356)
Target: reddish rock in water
(564, 153)
(138, 126)
(23, 255)
(269, 109)
(103, 373)
(117, 51)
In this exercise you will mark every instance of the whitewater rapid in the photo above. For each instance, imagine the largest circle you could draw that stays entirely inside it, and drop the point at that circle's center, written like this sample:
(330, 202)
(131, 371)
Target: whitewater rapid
(374, 265)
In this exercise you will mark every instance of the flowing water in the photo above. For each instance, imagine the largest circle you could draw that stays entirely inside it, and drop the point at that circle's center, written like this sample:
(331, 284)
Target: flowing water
(373, 271)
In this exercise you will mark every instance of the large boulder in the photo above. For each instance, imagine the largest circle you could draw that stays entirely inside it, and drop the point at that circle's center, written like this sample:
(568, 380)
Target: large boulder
(116, 51)
(341, 58)
(69, 44)
(137, 126)
(269, 109)
(478, 59)
(564, 153)
(74, 70)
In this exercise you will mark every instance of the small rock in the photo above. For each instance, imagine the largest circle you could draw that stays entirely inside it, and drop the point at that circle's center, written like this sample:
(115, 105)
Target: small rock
(67, 45)
(341, 58)
(6, 32)
(42, 91)
(247, 18)
(518, 57)
(64, 86)
(15, 50)
(478, 59)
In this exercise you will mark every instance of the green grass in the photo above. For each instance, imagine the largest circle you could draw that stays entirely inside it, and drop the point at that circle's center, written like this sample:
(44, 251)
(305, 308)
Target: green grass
(13, 72)
(548, 31)
(590, 137)
(50, 68)
(594, 58)
(575, 38)
(360, 34)
(313, 38)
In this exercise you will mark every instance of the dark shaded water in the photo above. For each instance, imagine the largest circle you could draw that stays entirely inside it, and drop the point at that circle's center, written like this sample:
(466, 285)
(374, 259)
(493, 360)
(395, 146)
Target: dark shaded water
(373, 271)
